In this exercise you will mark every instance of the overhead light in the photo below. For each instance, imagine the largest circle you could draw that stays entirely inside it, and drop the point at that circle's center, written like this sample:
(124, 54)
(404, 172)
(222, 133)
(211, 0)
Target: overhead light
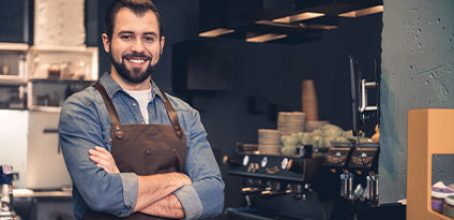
(363, 12)
(265, 37)
(298, 25)
(298, 17)
(216, 32)
(319, 26)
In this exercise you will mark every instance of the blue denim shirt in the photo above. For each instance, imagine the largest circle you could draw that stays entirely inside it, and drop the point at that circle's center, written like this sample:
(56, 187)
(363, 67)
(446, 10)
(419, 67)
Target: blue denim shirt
(84, 124)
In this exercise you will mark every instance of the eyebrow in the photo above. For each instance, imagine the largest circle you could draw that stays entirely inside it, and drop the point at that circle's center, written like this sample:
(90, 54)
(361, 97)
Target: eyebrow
(125, 32)
(146, 33)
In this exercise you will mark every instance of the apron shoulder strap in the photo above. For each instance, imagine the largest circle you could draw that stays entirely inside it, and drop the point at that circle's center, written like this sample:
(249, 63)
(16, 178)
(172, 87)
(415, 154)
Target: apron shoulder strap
(110, 109)
(173, 116)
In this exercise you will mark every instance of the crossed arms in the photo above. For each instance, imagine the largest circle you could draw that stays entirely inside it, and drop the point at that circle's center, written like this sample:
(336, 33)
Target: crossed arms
(155, 192)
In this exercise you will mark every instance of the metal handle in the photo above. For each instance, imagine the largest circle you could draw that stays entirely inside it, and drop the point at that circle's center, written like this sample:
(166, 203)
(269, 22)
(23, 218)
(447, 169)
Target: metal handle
(364, 105)
(50, 130)
(53, 131)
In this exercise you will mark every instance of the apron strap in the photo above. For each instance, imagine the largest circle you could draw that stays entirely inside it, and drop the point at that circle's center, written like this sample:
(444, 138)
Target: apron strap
(171, 113)
(173, 116)
(110, 109)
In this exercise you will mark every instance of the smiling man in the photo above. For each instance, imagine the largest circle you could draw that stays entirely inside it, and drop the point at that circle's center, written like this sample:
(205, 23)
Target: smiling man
(131, 149)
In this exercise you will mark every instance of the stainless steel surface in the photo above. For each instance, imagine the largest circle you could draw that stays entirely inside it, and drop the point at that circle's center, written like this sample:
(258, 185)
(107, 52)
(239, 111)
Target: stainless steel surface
(372, 186)
(6, 194)
(7, 207)
(347, 185)
(364, 105)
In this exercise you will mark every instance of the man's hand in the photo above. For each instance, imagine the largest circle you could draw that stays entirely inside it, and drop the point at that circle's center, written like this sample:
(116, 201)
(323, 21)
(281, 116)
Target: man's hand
(102, 158)
(168, 207)
(155, 191)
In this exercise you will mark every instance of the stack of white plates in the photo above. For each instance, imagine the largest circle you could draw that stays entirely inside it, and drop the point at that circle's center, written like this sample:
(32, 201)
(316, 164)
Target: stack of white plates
(269, 141)
(290, 122)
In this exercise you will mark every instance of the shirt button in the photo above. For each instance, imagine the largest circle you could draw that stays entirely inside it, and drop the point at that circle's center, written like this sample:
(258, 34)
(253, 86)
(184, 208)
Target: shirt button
(134, 104)
(148, 152)
(174, 150)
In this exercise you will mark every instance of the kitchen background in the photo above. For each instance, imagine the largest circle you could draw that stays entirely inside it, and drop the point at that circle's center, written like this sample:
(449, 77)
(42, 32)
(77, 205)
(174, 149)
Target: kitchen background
(269, 72)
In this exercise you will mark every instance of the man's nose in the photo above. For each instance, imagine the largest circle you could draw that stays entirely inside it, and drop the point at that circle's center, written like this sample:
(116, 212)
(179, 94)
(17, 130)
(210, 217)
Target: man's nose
(137, 46)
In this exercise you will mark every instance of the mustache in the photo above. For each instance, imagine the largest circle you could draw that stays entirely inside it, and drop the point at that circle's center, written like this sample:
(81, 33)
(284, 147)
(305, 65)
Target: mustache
(137, 55)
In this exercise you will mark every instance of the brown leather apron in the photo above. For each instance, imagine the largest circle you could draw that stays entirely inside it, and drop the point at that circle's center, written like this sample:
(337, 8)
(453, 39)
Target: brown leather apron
(144, 149)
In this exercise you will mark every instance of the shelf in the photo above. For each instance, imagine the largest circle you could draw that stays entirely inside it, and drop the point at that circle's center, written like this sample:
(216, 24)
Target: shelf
(26, 193)
(77, 65)
(60, 48)
(267, 176)
(67, 81)
(272, 155)
(12, 80)
(56, 109)
(82, 60)
(14, 47)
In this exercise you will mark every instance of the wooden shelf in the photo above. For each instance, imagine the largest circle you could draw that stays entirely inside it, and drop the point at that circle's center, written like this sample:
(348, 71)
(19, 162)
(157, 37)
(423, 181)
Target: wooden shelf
(14, 47)
(26, 193)
(12, 80)
(53, 48)
(45, 108)
(43, 80)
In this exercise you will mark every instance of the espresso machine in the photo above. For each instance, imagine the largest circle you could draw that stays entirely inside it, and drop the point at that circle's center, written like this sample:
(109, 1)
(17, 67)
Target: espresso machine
(339, 182)
(6, 194)
(277, 186)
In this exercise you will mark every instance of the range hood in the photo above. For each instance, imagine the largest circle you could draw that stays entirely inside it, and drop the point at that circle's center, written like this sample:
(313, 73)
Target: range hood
(279, 21)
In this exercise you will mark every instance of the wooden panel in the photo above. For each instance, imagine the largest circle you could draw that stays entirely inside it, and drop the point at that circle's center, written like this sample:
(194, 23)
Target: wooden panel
(429, 132)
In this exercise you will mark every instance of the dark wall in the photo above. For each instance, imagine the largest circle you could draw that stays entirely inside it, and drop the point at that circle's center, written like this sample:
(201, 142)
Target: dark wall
(271, 71)
(15, 21)
(275, 72)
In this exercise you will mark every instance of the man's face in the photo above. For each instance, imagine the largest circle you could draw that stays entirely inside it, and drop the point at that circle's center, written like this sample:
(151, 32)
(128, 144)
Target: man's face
(135, 46)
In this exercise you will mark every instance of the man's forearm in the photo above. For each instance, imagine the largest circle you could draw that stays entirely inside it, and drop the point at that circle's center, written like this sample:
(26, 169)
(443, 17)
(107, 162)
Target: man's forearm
(156, 187)
(168, 207)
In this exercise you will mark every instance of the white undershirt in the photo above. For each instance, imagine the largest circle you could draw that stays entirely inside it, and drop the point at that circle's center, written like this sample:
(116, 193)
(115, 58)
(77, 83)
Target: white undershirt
(143, 97)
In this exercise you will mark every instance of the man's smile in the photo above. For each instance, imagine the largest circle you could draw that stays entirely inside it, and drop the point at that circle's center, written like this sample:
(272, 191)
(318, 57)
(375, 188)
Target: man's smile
(136, 60)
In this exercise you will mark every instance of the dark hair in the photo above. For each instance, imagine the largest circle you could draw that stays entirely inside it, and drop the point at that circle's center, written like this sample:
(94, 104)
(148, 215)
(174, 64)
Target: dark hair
(139, 7)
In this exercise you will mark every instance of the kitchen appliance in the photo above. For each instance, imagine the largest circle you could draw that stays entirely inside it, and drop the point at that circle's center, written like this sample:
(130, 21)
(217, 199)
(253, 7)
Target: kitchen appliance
(30, 145)
(277, 187)
(6, 194)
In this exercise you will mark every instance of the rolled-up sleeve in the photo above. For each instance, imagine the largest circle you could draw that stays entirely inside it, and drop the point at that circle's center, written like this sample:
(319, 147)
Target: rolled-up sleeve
(205, 197)
(80, 130)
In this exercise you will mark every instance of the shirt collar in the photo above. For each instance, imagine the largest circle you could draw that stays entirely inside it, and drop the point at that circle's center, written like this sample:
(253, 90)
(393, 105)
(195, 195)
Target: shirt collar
(112, 87)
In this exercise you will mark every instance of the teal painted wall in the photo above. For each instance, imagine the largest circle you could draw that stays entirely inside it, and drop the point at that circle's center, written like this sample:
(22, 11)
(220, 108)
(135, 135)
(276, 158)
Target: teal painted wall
(417, 72)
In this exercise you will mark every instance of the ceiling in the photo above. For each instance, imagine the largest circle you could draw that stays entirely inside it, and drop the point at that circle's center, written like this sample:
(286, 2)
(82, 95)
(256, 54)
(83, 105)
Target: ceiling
(278, 21)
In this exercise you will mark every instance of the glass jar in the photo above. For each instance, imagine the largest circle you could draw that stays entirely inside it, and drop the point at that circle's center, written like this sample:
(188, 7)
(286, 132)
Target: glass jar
(448, 206)
(438, 194)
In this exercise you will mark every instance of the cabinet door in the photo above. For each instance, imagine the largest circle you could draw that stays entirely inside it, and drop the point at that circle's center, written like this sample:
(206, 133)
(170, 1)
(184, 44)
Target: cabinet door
(45, 168)
(13, 141)
(14, 25)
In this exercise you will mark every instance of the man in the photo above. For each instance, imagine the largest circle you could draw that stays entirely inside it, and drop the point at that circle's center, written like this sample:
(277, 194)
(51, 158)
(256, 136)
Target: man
(131, 149)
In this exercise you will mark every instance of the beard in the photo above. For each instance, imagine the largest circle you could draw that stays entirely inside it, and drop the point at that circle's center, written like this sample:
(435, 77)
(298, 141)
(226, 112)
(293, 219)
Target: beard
(134, 75)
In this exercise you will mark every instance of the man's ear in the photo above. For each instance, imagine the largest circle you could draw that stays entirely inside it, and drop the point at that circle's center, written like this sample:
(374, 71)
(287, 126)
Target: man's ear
(163, 41)
(106, 42)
